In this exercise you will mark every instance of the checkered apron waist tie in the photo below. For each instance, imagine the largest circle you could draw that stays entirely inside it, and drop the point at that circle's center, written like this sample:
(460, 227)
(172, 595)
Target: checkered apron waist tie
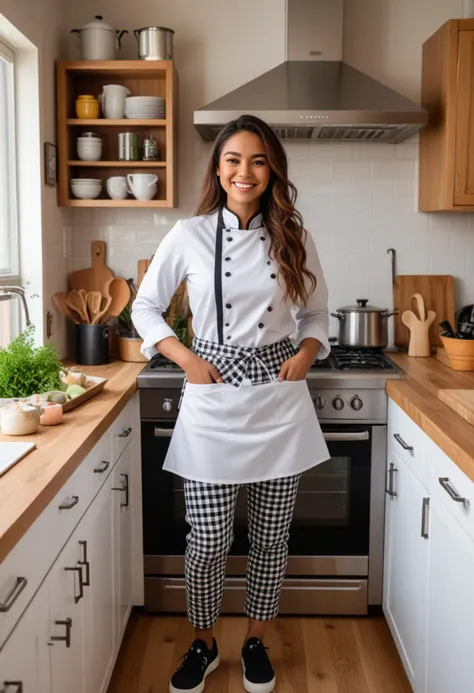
(235, 363)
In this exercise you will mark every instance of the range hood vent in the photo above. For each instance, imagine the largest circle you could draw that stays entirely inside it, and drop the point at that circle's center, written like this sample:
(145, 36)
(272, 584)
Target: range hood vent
(314, 99)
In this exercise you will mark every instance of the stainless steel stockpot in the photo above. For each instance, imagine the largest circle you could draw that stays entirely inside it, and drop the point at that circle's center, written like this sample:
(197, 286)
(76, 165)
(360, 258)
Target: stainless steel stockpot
(363, 326)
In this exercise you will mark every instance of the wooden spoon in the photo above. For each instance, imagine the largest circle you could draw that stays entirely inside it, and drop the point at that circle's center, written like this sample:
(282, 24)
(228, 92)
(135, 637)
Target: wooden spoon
(60, 301)
(119, 290)
(76, 302)
(93, 304)
(105, 302)
(83, 294)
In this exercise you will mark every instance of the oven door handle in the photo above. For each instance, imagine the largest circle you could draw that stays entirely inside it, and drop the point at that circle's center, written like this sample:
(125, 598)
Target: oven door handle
(163, 432)
(332, 436)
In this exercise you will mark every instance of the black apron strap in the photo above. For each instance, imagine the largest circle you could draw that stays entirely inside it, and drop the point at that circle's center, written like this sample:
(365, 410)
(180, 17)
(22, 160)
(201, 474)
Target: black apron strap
(218, 277)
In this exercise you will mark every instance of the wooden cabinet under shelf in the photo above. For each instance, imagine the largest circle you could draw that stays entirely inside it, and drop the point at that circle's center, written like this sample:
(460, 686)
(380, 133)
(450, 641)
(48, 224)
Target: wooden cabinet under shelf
(446, 181)
(143, 78)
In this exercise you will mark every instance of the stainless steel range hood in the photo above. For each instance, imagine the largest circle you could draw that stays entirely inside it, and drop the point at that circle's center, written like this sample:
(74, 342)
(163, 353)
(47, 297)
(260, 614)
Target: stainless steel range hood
(317, 100)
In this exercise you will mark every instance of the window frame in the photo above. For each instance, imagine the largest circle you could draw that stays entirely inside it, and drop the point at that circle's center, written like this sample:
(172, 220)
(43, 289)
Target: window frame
(11, 309)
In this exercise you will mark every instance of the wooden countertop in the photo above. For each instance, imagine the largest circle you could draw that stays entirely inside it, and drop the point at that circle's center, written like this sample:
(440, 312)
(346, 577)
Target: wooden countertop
(28, 487)
(417, 396)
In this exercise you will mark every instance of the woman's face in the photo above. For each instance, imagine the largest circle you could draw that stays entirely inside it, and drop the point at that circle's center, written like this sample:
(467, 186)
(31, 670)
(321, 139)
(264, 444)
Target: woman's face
(243, 168)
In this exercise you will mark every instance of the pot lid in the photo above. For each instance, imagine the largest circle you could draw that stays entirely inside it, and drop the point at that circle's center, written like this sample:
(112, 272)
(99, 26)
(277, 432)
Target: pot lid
(155, 28)
(362, 306)
(98, 23)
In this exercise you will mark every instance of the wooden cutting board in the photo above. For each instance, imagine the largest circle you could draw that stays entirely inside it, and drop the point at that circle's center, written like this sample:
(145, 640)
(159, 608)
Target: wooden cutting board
(438, 294)
(96, 277)
(461, 401)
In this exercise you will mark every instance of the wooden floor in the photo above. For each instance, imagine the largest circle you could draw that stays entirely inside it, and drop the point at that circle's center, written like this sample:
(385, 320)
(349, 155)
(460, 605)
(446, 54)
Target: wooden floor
(310, 655)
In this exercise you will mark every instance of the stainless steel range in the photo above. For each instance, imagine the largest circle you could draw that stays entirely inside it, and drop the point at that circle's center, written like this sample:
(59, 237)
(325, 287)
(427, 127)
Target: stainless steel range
(336, 543)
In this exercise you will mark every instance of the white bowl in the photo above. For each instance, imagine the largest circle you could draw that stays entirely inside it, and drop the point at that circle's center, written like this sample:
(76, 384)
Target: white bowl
(85, 192)
(83, 181)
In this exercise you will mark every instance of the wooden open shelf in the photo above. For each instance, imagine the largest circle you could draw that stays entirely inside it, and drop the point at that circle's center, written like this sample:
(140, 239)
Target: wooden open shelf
(118, 164)
(120, 122)
(142, 78)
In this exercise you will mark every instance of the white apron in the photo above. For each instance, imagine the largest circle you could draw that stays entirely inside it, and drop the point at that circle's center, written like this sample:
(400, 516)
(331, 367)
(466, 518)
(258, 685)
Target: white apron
(231, 435)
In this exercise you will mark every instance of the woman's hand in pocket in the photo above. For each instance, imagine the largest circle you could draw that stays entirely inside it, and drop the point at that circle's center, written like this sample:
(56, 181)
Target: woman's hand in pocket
(201, 372)
(296, 367)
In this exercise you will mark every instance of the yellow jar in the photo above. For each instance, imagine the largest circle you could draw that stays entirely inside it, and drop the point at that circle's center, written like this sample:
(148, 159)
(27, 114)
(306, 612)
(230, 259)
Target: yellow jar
(87, 107)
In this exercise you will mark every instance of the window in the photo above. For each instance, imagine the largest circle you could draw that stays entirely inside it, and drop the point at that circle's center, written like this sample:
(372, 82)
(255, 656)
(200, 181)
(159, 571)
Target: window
(9, 269)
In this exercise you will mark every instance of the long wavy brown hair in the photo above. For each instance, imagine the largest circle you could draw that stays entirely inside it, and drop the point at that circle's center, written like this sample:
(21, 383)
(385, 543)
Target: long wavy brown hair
(283, 222)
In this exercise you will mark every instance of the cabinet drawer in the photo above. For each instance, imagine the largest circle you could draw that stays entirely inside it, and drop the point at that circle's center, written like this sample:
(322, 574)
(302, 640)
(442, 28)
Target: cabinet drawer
(121, 430)
(406, 439)
(25, 567)
(451, 486)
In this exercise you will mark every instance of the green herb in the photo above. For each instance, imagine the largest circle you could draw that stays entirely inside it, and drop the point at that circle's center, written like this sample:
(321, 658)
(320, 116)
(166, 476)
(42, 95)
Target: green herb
(26, 369)
(126, 326)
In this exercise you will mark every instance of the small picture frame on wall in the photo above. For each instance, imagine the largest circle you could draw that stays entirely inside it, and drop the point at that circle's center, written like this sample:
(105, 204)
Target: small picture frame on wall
(50, 164)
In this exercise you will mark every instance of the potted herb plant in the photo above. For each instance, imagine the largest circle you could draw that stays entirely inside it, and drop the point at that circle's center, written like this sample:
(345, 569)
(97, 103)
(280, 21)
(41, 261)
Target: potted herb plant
(128, 339)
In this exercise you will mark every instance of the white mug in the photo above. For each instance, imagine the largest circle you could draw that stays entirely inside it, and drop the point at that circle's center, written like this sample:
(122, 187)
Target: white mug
(143, 186)
(112, 100)
(117, 187)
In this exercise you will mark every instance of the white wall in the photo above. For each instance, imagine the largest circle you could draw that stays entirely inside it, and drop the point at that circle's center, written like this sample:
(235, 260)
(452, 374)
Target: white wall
(357, 200)
(42, 266)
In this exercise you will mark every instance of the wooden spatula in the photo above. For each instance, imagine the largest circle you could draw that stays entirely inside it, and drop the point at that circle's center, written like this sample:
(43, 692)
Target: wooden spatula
(60, 301)
(104, 307)
(93, 304)
(76, 302)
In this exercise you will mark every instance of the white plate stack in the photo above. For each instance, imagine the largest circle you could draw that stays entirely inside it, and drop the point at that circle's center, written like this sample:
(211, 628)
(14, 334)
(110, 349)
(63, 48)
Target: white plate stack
(149, 107)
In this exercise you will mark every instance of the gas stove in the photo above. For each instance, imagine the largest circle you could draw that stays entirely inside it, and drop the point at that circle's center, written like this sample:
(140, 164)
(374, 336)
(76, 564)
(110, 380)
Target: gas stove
(347, 386)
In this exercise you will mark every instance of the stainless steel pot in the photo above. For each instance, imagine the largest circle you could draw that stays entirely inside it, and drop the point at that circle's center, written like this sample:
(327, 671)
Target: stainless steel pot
(363, 326)
(154, 43)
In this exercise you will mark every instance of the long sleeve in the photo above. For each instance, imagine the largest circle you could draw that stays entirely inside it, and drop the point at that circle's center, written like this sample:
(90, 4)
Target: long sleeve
(167, 270)
(312, 320)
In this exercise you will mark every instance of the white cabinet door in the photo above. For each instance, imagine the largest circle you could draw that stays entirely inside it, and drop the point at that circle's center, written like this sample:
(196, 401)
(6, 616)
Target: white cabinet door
(122, 513)
(66, 619)
(451, 605)
(406, 567)
(24, 659)
(97, 563)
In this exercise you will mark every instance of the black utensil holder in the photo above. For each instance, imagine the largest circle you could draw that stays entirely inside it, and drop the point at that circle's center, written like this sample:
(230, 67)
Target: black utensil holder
(92, 344)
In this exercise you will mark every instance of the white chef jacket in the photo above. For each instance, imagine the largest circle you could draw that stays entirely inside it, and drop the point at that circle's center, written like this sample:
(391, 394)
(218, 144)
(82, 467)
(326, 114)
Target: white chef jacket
(254, 313)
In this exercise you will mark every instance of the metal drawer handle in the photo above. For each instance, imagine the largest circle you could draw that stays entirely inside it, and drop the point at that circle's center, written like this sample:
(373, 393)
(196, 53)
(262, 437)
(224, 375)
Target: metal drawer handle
(123, 487)
(424, 518)
(163, 432)
(401, 442)
(64, 638)
(17, 589)
(346, 437)
(446, 484)
(18, 684)
(125, 433)
(390, 490)
(69, 503)
(101, 467)
(78, 570)
(87, 581)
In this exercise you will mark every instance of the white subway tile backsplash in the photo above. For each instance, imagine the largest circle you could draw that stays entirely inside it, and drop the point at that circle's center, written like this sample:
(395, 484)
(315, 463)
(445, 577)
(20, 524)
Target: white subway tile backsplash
(340, 170)
(393, 169)
(357, 200)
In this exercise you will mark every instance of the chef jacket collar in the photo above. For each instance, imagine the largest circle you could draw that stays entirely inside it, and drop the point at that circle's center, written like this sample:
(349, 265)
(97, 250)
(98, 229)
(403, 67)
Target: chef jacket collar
(232, 221)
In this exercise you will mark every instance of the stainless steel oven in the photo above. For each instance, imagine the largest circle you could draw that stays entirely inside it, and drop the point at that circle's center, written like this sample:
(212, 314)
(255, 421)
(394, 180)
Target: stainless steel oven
(335, 547)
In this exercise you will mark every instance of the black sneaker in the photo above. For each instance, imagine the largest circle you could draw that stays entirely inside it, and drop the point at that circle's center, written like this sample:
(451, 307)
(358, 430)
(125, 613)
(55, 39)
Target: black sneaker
(259, 676)
(198, 662)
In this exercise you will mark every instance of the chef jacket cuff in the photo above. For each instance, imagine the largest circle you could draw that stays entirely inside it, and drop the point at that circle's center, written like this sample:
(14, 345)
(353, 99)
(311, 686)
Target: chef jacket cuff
(160, 332)
(316, 333)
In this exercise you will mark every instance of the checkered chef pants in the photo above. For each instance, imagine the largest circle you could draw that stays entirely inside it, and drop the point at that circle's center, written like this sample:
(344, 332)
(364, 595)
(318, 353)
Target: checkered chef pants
(210, 513)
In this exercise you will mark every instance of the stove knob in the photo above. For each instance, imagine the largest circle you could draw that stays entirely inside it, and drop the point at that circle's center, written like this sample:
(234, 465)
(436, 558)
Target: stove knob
(320, 401)
(357, 403)
(167, 405)
(338, 403)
